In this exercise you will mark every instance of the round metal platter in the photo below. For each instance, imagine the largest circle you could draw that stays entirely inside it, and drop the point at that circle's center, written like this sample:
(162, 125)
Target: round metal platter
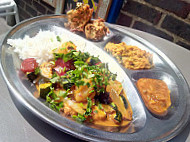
(145, 126)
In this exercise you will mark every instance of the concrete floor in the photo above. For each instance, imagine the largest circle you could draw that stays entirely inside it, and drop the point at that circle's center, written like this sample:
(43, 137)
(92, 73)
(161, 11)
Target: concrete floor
(4, 28)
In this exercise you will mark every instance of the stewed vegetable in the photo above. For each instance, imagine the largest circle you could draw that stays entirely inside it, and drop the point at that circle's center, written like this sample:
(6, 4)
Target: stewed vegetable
(80, 86)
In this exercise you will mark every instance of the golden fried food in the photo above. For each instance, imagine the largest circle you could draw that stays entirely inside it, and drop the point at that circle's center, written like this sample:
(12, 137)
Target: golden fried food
(155, 94)
(96, 30)
(79, 17)
(131, 57)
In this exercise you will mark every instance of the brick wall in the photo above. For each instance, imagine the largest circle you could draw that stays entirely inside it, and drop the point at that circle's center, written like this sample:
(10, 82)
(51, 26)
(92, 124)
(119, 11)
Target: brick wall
(32, 8)
(169, 19)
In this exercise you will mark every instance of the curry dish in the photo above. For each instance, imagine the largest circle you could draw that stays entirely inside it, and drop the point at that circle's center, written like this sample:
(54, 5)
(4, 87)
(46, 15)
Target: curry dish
(155, 94)
(80, 86)
(131, 57)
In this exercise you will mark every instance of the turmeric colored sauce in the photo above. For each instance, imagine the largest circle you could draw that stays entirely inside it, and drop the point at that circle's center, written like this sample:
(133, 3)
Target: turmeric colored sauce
(155, 94)
(83, 89)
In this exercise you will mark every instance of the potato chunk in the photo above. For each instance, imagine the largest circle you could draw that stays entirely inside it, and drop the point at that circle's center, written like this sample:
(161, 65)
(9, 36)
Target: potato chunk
(82, 92)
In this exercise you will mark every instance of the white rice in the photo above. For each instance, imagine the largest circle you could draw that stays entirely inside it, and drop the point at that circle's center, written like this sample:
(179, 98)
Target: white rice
(40, 46)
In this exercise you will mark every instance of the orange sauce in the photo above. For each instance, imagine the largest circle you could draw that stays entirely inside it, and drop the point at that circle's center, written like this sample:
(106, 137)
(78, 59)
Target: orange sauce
(155, 94)
(111, 123)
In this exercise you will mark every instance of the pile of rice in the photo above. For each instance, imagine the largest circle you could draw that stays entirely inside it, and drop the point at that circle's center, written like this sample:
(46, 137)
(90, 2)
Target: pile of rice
(40, 46)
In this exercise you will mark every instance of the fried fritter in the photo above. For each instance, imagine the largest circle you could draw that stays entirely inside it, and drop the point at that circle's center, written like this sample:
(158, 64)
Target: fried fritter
(96, 30)
(79, 17)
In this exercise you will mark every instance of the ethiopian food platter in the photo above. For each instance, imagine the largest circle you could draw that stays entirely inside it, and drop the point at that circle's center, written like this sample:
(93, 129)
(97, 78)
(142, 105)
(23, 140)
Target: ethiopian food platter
(94, 80)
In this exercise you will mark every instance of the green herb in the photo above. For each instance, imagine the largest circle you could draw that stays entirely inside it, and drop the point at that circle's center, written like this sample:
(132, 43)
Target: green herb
(79, 56)
(68, 86)
(37, 71)
(95, 111)
(100, 106)
(88, 84)
(63, 93)
(81, 104)
(51, 99)
(68, 56)
(88, 109)
(64, 69)
(79, 118)
(58, 38)
(55, 79)
(113, 106)
(54, 75)
(58, 55)
(80, 82)
(52, 62)
(98, 76)
(91, 91)
(93, 60)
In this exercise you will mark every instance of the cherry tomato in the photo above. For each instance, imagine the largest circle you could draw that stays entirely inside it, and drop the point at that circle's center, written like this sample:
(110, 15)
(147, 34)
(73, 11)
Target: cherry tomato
(29, 65)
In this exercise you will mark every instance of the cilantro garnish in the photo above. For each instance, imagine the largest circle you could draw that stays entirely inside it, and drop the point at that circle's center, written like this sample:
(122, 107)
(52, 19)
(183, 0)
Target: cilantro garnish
(55, 79)
(58, 38)
(100, 106)
(96, 111)
(37, 71)
(88, 109)
(52, 98)
(63, 93)
(79, 118)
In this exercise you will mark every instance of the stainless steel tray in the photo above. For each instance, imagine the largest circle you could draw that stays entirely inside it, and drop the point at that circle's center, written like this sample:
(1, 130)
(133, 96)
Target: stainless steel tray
(145, 126)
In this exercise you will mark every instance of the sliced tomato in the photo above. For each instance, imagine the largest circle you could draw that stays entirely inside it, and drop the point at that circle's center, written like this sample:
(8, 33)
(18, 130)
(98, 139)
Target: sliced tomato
(70, 65)
(29, 65)
(60, 62)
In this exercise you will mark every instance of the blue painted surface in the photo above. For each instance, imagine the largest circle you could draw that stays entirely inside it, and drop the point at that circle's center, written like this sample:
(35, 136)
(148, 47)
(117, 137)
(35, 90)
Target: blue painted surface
(114, 11)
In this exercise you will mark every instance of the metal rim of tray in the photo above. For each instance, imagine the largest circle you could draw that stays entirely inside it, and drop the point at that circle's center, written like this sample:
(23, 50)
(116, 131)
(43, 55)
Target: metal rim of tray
(80, 135)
